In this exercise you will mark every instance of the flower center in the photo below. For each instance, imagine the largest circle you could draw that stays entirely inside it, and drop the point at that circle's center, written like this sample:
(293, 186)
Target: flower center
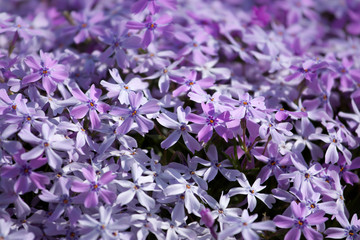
(252, 191)
(188, 186)
(245, 103)
(28, 118)
(307, 175)
(211, 121)
(151, 26)
(133, 113)
(165, 70)
(312, 205)
(221, 211)
(14, 106)
(84, 25)
(46, 144)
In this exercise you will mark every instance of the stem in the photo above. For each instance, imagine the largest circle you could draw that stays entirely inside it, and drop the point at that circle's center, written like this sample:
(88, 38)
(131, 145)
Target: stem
(267, 142)
(213, 232)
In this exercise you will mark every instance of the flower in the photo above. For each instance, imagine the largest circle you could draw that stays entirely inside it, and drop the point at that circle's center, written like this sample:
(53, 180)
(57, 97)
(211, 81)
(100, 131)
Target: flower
(93, 187)
(89, 104)
(300, 222)
(47, 69)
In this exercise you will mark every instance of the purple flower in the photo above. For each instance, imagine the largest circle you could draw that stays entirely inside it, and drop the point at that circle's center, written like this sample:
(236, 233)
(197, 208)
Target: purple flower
(182, 128)
(211, 121)
(152, 5)
(350, 231)
(252, 193)
(334, 140)
(118, 42)
(46, 69)
(246, 226)
(191, 83)
(93, 187)
(301, 222)
(121, 89)
(150, 25)
(91, 104)
(134, 113)
(138, 188)
(49, 142)
(26, 178)
(86, 24)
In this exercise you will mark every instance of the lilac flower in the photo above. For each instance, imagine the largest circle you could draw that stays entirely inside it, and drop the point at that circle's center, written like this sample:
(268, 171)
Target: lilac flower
(134, 113)
(195, 46)
(214, 166)
(353, 116)
(182, 128)
(48, 70)
(26, 178)
(7, 233)
(208, 70)
(62, 198)
(176, 229)
(150, 25)
(191, 83)
(93, 187)
(349, 230)
(89, 104)
(22, 28)
(152, 5)
(138, 188)
(252, 193)
(189, 190)
(106, 227)
(244, 106)
(246, 226)
(121, 89)
(211, 121)
(334, 141)
(166, 74)
(221, 210)
(300, 222)
(277, 131)
(49, 142)
(86, 24)
(118, 42)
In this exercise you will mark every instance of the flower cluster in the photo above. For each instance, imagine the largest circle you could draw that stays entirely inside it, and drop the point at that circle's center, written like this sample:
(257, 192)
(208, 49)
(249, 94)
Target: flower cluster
(179, 119)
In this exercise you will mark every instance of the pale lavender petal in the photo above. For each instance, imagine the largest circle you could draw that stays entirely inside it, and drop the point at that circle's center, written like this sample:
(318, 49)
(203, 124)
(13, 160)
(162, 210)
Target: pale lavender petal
(31, 78)
(77, 186)
(145, 200)
(79, 111)
(91, 200)
(106, 178)
(293, 234)
(94, 119)
(283, 221)
(107, 196)
(125, 197)
(171, 139)
(33, 153)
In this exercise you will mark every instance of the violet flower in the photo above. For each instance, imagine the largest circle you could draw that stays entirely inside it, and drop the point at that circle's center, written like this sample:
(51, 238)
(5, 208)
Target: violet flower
(89, 104)
(182, 128)
(134, 113)
(150, 25)
(252, 193)
(93, 188)
(246, 226)
(49, 142)
(48, 70)
(300, 222)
